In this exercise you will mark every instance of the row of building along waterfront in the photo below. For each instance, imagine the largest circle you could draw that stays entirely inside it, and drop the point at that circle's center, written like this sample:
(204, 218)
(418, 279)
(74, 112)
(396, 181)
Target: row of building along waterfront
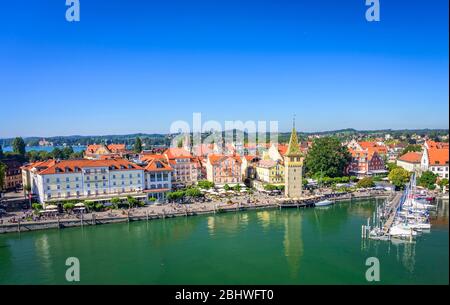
(112, 170)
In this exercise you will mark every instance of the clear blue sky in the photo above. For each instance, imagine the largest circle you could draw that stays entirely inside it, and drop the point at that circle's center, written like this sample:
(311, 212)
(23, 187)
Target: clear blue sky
(137, 66)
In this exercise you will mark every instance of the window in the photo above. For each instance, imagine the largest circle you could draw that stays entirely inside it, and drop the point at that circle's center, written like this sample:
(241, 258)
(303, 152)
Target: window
(67, 179)
(57, 180)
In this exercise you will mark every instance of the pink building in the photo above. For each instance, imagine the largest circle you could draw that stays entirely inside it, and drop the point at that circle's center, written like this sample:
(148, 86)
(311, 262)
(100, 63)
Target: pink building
(223, 169)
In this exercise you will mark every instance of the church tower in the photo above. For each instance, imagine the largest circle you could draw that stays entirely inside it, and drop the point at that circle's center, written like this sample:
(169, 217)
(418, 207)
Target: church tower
(293, 166)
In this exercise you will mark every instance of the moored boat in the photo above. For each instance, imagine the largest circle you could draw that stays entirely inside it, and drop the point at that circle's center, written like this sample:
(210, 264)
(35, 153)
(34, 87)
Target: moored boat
(323, 203)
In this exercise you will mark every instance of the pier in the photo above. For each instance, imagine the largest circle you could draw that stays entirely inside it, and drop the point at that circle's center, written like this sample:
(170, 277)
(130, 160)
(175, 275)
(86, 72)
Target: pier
(390, 214)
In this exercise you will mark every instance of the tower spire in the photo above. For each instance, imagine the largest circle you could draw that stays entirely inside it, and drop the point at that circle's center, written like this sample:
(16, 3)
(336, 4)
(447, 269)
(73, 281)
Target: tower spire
(293, 147)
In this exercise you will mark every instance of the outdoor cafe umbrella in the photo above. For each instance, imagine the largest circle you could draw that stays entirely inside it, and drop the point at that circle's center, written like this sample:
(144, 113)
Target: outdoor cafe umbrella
(79, 205)
(51, 207)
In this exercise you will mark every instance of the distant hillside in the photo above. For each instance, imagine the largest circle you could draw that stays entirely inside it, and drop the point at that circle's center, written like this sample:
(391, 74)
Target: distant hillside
(164, 139)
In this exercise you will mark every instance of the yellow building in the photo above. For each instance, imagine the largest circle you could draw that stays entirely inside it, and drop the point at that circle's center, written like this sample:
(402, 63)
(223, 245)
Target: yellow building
(270, 171)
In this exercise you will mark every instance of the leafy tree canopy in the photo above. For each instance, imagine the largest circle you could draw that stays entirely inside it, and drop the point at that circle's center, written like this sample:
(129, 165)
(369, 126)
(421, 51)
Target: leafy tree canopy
(327, 157)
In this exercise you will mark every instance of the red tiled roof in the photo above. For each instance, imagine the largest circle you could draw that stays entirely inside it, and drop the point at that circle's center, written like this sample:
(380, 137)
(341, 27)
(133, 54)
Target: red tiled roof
(411, 157)
(267, 163)
(381, 149)
(438, 156)
(69, 166)
(114, 148)
(214, 158)
(157, 165)
(176, 152)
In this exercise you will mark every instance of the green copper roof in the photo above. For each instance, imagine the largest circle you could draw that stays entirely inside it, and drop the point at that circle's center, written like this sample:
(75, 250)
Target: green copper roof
(293, 148)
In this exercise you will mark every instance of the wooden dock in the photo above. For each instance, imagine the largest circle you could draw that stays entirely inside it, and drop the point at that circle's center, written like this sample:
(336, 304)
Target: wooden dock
(393, 206)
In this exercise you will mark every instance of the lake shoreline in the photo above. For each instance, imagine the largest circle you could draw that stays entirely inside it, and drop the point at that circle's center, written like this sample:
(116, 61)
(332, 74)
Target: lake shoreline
(21, 227)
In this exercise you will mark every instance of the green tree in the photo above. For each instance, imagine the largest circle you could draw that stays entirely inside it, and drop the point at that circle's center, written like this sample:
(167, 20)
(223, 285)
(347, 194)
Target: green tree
(18, 145)
(66, 152)
(390, 166)
(57, 153)
(176, 195)
(365, 182)
(68, 206)
(399, 177)
(2, 175)
(412, 147)
(226, 187)
(205, 184)
(137, 145)
(115, 202)
(327, 157)
(443, 183)
(1, 152)
(428, 180)
(193, 192)
(132, 202)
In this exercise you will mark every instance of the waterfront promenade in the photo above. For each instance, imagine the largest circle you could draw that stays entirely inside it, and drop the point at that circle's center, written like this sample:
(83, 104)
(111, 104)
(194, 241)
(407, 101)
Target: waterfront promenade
(17, 222)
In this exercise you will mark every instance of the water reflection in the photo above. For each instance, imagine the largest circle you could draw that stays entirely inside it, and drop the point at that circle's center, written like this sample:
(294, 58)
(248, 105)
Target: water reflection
(264, 218)
(229, 223)
(42, 246)
(292, 242)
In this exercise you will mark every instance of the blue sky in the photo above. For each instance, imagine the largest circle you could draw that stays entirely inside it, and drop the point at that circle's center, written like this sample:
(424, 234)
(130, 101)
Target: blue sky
(137, 66)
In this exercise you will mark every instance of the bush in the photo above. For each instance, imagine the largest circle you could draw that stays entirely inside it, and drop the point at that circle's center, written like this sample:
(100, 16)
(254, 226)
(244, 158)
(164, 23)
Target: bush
(365, 183)
(205, 184)
(68, 206)
(99, 207)
(132, 202)
(270, 187)
(193, 192)
(36, 206)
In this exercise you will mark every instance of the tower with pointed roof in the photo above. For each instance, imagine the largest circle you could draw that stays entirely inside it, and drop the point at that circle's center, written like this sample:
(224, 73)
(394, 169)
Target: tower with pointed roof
(293, 167)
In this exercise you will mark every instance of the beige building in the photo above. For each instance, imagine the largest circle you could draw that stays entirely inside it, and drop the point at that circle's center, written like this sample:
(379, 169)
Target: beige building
(410, 161)
(293, 163)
